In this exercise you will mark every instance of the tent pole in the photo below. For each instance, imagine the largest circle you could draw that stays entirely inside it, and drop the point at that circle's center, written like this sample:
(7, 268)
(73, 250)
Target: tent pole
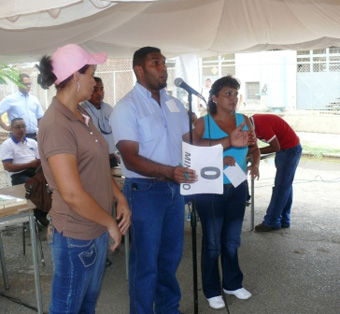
(193, 222)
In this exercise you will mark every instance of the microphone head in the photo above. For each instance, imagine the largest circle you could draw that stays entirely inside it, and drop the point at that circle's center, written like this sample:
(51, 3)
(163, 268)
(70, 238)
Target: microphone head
(178, 82)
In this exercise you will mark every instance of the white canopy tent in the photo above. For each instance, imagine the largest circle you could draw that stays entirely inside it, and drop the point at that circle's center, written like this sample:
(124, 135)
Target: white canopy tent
(30, 29)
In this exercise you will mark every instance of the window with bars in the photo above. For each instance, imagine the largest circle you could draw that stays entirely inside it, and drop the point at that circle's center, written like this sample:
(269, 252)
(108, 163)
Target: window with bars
(319, 60)
(253, 90)
(218, 66)
(334, 63)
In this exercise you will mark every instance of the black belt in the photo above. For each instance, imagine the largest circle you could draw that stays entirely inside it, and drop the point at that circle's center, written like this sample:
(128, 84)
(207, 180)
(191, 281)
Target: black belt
(31, 135)
(157, 179)
(154, 179)
(30, 172)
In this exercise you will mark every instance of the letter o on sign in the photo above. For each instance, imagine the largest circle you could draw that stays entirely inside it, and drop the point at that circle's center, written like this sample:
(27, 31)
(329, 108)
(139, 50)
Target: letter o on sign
(210, 173)
(186, 186)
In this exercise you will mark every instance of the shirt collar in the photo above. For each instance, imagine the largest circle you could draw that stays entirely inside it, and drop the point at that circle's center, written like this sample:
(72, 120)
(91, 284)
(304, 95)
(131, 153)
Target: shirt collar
(143, 91)
(67, 112)
(86, 118)
(22, 94)
(92, 107)
(15, 140)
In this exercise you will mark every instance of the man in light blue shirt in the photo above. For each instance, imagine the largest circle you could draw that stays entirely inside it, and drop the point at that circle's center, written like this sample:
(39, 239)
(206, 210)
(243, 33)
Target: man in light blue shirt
(157, 127)
(24, 105)
(148, 126)
(100, 112)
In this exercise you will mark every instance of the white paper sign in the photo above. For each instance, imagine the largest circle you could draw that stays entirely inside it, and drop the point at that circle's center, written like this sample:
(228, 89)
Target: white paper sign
(208, 164)
(172, 106)
(235, 174)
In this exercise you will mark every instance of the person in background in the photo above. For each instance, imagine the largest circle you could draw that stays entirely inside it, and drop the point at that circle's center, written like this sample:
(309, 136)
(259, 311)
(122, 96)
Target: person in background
(24, 105)
(100, 112)
(74, 159)
(148, 125)
(193, 117)
(202, 106)
(20, 157)
(222, 216)
(285, 143)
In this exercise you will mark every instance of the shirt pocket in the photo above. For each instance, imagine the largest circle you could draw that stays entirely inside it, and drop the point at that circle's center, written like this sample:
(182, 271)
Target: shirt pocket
(151, 128)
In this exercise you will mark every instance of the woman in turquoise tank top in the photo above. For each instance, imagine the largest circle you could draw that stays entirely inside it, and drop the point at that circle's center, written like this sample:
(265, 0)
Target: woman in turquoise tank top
(222, 215)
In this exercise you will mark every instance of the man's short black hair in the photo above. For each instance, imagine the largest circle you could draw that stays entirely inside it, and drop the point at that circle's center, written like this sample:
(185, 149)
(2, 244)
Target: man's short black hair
(98, 79)
(16, 119)
(140, 55)
(22, 75)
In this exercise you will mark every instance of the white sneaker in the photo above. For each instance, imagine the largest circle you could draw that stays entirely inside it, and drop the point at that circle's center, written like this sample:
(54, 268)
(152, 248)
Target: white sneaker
(216, 302)
(242, 293)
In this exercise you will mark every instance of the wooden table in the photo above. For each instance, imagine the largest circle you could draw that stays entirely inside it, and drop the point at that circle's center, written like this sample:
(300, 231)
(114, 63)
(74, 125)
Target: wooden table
(24, 211)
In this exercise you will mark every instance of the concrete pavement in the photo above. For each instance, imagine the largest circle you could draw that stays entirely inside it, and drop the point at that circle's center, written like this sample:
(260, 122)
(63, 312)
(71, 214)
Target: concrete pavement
(290, 271)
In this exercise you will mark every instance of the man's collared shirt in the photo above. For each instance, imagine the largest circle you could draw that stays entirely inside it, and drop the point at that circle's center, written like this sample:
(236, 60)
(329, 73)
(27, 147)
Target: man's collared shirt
(26, 106)
(100, 119)
(19, 152)
(158, 129)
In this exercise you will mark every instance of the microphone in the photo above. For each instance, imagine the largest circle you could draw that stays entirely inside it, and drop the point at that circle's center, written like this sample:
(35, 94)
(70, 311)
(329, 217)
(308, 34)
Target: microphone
(180, 83)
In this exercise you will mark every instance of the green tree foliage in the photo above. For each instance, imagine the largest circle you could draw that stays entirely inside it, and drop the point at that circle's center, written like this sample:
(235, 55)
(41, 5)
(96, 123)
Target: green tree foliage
(10, 73)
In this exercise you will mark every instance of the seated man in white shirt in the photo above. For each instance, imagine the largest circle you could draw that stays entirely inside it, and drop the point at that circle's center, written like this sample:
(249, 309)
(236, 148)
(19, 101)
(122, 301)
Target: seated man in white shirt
(20, 157)
(100, 112)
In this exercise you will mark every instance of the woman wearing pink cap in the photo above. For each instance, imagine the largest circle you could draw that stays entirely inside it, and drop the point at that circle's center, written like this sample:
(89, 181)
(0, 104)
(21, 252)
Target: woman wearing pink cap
(74, 159)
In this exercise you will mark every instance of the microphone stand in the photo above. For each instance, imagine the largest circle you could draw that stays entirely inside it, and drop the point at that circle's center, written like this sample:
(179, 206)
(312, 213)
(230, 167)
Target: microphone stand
(193, 221)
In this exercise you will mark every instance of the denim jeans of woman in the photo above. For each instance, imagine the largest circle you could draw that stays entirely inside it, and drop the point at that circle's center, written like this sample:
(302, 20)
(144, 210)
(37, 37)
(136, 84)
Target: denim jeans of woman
(278, 211)
(157, 228)
(221, 218)
(78, 267)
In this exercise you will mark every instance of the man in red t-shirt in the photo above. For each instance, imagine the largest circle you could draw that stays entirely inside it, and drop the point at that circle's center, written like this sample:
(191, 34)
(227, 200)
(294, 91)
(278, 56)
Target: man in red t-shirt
(286, 144)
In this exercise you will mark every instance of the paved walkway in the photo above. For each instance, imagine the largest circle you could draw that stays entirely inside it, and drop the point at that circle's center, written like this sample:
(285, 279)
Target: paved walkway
(291, 271)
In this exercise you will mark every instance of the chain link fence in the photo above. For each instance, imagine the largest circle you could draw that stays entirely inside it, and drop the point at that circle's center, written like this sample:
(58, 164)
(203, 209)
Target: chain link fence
(118, 79)
(309, 80)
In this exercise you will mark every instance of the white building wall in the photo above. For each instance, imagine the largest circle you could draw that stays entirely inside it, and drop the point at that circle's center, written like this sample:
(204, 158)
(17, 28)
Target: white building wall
(276, 74)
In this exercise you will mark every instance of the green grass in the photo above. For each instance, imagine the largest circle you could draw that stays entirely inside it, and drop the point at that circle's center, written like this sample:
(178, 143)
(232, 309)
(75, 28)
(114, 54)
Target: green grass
(319, 151)
(313, 149)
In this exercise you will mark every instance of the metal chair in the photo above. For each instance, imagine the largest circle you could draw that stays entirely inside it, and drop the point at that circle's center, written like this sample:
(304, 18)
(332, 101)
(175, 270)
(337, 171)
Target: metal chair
(116, 172)
(12, 224)
(5, 181)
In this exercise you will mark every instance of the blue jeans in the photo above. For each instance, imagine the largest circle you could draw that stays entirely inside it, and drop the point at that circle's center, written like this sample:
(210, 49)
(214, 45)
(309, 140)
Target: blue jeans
(22, 177)
(221, 218)
(278, 211)
(157, 228)
(78, 267)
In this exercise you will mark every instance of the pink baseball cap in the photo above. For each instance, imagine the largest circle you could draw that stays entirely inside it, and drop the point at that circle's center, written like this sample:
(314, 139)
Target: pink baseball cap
(71, 58)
